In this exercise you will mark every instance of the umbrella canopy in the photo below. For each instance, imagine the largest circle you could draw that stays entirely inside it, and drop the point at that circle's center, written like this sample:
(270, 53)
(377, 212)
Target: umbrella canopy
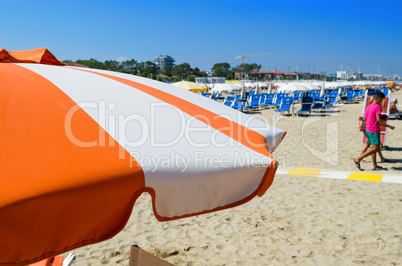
(190, 86)
(79, 146)
(219, 87)
(311, 86)
(40, 55)
(250, 85)
(333, 85)
(361, 83)
(262, 84)
(292, 87)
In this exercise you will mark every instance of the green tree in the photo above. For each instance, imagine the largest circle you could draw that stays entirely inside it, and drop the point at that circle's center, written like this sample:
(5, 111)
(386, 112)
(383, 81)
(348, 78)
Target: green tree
(92, 63)
(220, 69)
(182, 70)
(167, 71)
(195, 71)
(129, 66)
(147, 68)
(202, 74)
(112, 65)
(230, 75)
(247, 68)
(252, 67)
(151, 67)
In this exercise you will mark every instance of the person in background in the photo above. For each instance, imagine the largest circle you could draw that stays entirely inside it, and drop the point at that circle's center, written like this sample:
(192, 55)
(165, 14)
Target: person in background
(392, 107)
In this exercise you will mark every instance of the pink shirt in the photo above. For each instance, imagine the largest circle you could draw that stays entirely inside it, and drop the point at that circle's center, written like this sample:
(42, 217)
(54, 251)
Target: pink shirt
(372, 125)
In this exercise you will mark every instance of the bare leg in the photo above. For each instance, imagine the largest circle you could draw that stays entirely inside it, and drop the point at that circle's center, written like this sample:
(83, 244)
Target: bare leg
(374, 149)
(377, 148)
(382, 159)
(365, 147)
(374, 159)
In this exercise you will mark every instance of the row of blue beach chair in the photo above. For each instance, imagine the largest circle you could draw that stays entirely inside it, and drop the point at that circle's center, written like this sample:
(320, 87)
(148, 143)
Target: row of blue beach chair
(310, 101)
(282, 102)
(351, 96)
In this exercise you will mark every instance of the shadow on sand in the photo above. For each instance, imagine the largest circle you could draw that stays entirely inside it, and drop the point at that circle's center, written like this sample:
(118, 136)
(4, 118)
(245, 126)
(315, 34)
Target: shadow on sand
(394, 149)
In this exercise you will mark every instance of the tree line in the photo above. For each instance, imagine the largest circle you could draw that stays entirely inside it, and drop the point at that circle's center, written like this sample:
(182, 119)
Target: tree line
(176, 73)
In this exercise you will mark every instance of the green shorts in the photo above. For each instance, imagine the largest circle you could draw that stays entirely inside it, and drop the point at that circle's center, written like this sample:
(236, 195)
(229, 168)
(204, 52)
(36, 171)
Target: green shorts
(373, 138)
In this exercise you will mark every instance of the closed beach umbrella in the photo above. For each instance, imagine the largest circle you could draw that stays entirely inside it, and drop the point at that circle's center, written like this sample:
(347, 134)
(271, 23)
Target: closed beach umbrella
(270, 88)
(257, 89)
(322, 92)
(243, 91)
(190, 86)
(79, 146)
(339, 92)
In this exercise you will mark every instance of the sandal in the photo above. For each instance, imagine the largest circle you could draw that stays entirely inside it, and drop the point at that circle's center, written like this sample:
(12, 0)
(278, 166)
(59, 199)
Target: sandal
(386, 161)
(357, 164)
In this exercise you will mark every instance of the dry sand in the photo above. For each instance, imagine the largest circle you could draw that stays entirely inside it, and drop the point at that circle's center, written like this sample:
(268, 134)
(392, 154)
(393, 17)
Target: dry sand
(300, 220)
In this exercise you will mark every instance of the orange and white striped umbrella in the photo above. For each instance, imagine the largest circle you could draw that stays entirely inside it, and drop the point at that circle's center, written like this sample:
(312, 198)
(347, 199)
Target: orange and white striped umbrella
(79, 146)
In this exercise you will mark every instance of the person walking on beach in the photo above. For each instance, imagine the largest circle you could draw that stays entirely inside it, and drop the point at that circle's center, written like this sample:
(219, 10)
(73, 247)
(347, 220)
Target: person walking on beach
(373, 122)
(367, 145)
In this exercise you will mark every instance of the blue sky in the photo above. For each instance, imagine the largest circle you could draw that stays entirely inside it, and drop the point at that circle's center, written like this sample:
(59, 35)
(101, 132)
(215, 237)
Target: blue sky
(304, 35)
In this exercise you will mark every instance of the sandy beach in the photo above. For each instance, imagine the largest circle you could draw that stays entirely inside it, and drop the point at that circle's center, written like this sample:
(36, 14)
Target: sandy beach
(300, 219)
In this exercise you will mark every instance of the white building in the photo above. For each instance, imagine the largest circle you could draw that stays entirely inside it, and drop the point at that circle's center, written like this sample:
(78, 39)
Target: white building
(341, 75)
(356, 75)
(164, 61)
(373, 77)
(394, 77)
(205, 80)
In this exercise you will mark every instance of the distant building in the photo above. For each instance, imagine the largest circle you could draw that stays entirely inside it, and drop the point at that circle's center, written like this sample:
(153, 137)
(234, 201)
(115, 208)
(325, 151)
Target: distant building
(163, 61)
(290, 75)
(373, 77)
(356, 75)
(205, 80)
(368, 76)
(393, 77)
(341, 75)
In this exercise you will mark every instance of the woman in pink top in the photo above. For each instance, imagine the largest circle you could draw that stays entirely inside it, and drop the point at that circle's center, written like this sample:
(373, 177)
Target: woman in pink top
(373, 122)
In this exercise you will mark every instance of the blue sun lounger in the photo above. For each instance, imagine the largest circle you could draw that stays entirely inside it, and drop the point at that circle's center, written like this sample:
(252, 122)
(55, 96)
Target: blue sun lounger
(307, 102)
(285, 106)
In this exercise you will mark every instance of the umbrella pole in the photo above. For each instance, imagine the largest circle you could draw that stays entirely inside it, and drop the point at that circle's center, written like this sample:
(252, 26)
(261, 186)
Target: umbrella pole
(293, 105)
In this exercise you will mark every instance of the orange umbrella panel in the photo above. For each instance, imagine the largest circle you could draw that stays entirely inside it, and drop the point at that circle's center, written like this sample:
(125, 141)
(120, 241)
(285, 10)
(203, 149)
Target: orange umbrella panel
(40, 55)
